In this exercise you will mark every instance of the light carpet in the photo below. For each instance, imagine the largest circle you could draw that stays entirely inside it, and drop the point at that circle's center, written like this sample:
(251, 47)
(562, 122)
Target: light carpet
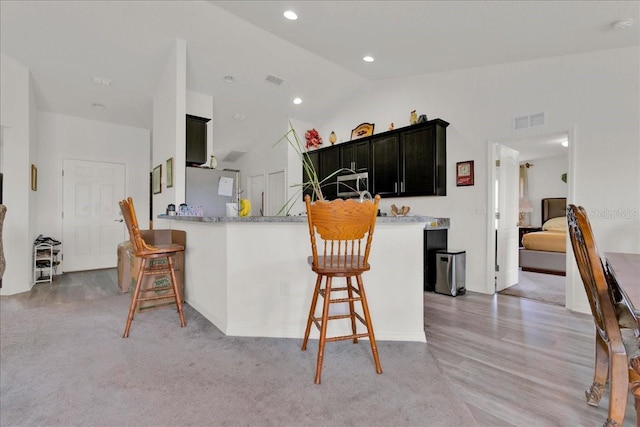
(548, 288)
(67, 364)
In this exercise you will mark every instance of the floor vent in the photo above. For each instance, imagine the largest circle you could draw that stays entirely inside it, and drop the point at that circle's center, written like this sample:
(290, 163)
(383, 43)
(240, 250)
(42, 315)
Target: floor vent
(532, 120)
(233, 155)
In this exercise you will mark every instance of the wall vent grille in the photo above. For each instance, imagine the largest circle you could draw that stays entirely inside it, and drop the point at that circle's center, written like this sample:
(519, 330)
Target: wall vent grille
(233, 155)
(529, 121)
(275, 80)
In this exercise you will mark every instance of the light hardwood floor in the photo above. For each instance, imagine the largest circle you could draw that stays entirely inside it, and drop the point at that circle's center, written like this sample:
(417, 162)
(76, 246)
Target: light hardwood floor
(516, 361)
(513, 361)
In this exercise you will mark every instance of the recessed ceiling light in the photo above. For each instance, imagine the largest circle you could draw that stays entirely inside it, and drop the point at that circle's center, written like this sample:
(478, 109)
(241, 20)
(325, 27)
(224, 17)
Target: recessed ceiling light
(297, 101)
(368, 59)
(228, 79)
(290, 15)
(565, 143)
(98, 106)
(622, 24)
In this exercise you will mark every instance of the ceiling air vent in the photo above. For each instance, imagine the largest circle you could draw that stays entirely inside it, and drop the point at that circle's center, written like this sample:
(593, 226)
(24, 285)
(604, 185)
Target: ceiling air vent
(275, 80)
(532, 120)
(233, 155)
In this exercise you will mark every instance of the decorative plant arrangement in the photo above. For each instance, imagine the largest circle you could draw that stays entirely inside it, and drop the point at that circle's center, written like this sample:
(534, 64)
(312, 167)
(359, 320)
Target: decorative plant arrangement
(291, 137)
(313, 139)
(313, 183)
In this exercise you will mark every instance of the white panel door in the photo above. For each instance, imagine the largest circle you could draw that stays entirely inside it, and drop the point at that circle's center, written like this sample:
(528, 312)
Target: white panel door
(256, 195)
(92, 226)
(507, 233)
(276, 193)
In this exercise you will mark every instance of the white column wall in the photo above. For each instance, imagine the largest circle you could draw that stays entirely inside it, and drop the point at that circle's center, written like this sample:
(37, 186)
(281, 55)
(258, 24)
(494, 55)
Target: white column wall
(17, 115)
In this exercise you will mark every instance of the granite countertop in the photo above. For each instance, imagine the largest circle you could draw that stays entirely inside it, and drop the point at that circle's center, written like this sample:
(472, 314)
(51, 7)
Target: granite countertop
(432, 223)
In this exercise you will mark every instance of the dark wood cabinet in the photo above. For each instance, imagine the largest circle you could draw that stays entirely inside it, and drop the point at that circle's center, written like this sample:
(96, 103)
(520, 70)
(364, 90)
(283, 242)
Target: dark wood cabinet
(196, 140)
(384, 165)
(355, 156)
(423, 161)
(409, 161)
(314, 158)
(329, 164)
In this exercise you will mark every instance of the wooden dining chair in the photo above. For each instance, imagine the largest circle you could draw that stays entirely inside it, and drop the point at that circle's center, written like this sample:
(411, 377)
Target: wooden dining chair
(341, 233)
(617, 348)
(154, 261)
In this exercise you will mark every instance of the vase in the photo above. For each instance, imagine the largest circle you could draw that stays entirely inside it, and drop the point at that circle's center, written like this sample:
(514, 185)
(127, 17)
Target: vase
(332, 138)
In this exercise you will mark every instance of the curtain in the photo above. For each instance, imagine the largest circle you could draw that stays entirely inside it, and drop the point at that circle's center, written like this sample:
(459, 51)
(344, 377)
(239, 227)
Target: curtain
(525, 205)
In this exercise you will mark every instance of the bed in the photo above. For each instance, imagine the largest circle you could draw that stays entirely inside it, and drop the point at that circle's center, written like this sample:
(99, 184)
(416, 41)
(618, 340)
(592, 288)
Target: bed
(545, 251)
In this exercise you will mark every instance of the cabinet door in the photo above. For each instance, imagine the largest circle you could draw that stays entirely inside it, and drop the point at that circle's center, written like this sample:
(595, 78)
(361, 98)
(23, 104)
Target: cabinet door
(315, 160)
(355, 156)
(384, 166)
(418, 162)
(196, 139)
(329, 164)
(423, 162)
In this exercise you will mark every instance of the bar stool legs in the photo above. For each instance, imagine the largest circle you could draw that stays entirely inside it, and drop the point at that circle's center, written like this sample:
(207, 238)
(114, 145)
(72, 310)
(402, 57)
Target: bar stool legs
(145, 270)
(322, 322)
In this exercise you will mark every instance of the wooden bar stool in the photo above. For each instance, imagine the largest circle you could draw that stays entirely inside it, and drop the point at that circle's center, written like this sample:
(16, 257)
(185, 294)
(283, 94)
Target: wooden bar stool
(341, 235)
(147, 255)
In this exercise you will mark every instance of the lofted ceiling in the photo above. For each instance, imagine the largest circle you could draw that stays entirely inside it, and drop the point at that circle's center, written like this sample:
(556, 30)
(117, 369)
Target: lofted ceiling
(66, 44)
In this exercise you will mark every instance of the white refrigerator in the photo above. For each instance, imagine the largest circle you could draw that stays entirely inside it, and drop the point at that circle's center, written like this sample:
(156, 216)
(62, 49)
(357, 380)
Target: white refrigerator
(211, 189)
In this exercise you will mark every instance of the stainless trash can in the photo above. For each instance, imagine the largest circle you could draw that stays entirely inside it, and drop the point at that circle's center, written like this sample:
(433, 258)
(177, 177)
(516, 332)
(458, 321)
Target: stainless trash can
(450, 272)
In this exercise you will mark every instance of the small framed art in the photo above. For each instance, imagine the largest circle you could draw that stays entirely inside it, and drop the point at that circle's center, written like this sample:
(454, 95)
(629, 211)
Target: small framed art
(464, 173)
(157, 175)
(170, 172)
(34, 178)
(363, 129)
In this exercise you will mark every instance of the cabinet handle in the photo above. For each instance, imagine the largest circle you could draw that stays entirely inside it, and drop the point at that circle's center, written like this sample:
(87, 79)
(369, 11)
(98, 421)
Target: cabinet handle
(353, 165)
(395, 187)
(402, 187)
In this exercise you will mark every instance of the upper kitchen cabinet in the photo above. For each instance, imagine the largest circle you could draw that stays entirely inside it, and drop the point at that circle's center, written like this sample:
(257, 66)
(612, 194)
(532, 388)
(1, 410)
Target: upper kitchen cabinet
(196, 140)
(314, 158)
(410, 161)
(355, 156)
(329, 164)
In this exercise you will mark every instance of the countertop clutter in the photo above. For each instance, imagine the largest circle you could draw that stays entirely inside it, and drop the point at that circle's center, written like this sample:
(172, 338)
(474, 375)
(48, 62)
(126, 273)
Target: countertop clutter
(431, 222)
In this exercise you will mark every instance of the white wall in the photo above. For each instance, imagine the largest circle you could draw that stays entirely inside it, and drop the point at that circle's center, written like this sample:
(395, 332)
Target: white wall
(594, 96)
(545, 180)
(64, 137)
(169, 128)
(17, 117)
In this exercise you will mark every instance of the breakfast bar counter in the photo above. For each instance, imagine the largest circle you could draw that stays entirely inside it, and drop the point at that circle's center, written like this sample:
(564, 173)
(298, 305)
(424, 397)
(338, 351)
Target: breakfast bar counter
(250, 277)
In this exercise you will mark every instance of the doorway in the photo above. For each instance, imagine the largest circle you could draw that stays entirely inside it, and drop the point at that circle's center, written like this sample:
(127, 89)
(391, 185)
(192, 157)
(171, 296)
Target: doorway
(548, 159)
(91, 223)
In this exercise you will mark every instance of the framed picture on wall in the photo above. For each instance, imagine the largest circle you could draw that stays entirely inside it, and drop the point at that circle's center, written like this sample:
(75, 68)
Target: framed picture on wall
(464, 173)
(34, 178)
(157, 175)
(170, 172)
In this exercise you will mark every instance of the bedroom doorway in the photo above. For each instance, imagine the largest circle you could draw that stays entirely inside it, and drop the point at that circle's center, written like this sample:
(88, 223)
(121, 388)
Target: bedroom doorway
(548, 162)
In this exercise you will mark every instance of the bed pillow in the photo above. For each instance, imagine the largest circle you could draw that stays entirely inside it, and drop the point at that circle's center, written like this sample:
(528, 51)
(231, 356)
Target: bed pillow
(555, 224)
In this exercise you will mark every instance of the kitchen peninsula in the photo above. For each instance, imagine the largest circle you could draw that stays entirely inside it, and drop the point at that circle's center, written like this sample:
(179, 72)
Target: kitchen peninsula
(249, 276)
